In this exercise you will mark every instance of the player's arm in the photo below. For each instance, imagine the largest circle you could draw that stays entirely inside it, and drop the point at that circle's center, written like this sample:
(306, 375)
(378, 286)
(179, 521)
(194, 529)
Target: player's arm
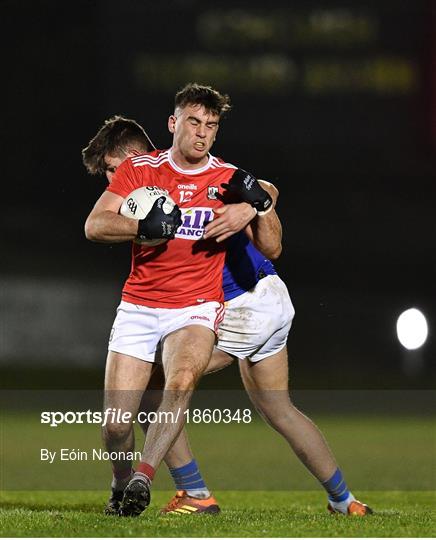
(265, 230)
(233, 218)
(104, 224)
(229, 220)
(257, 215)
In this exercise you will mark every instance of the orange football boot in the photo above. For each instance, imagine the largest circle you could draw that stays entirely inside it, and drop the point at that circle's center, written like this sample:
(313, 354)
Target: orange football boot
(355, 508)
(182, 503)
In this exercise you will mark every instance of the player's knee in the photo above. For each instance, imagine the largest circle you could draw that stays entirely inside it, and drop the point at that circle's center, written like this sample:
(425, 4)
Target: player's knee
(276, 408)
(271, 417)
(116, 431)
(288, 418)
(183, 379)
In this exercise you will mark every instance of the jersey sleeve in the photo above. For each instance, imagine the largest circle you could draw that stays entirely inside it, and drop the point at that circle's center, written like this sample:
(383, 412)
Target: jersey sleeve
(125, 180)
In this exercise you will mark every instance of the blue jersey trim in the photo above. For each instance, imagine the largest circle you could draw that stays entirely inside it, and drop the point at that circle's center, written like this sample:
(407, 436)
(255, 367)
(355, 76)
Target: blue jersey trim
(244, 266)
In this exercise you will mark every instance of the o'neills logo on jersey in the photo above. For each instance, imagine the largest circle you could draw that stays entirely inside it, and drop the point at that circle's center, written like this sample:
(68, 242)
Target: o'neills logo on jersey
(187, 186)
(194, 220)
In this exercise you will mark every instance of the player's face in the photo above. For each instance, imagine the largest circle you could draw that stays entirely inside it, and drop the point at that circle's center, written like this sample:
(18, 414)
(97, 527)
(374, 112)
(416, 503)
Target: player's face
(194, 130)
(111, 165)
(113, 162)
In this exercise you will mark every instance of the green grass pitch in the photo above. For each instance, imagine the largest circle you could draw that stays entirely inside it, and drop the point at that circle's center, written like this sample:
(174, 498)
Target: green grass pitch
(244, 514)
(263, 490)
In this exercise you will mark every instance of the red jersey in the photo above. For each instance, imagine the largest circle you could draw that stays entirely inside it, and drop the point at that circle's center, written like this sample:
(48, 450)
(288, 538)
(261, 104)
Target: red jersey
(186, 270)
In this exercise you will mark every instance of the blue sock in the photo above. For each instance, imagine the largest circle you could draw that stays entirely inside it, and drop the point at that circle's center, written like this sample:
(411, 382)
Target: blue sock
(188, 477)
(336, 487)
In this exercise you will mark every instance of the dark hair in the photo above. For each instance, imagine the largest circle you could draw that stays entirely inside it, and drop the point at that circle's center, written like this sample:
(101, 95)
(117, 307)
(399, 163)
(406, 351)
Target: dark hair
(115, 137)
(211, 99)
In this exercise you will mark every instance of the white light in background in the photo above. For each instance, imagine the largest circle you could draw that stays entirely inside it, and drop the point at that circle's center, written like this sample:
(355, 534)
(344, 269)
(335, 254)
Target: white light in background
(412, 329)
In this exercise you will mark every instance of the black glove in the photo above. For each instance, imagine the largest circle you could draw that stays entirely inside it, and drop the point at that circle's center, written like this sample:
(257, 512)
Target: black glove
(158, 224)
(248, 188)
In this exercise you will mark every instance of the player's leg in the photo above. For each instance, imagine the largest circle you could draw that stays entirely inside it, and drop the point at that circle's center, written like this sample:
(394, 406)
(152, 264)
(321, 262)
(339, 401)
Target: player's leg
(266, 382)
(185, 353)
(132, 348)
(125, 380)
(218, 361)
(192, 494)
(152, 397)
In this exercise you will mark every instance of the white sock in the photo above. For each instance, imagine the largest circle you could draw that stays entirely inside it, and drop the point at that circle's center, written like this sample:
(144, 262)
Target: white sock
(198, 493)
(141, 476)
(342, 506)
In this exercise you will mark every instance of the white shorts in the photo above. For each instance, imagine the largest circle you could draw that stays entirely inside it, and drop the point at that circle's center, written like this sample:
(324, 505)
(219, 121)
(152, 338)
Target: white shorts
(256, 324)
(138, 330)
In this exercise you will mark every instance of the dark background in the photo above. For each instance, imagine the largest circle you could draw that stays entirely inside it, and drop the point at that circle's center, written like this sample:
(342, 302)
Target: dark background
(334, 102)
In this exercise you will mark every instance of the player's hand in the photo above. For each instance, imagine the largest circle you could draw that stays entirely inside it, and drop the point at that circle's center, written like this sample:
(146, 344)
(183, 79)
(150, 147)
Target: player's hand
(248, 188)
(229, 220)
(158, 224)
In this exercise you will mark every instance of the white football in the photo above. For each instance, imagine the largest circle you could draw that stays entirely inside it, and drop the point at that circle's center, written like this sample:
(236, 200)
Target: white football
(138, 204)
